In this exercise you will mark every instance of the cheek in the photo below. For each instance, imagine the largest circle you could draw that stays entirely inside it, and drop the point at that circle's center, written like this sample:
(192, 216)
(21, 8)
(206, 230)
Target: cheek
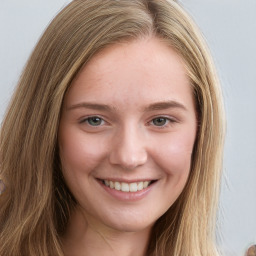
(174, 155)
(79, 154)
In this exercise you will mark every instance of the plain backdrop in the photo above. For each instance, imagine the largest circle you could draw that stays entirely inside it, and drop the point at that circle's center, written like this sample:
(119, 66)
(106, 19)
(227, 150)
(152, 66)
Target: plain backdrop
(229, 27)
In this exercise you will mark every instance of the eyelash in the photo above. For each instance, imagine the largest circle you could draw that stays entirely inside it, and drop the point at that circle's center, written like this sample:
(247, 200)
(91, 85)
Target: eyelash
(87, 119)
(167, 121)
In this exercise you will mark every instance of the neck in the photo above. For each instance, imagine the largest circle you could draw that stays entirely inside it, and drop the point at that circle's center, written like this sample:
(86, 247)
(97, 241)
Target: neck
(84, 237)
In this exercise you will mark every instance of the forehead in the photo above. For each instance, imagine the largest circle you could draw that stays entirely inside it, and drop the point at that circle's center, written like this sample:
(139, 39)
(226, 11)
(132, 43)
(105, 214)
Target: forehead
(132, 55)
(142, 69)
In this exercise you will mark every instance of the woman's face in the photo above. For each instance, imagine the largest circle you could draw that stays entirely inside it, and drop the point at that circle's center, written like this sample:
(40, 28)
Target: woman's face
(126, 135)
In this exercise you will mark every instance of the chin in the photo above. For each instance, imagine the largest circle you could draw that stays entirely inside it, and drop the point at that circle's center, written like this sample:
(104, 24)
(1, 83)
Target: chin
(129, 223)
(131, 227)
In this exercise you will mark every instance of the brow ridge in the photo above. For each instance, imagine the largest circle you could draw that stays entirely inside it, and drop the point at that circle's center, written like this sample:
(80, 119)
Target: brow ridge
(104, 107)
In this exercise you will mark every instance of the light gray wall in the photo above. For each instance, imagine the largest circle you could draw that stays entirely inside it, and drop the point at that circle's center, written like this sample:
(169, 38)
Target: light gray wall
(230, 30)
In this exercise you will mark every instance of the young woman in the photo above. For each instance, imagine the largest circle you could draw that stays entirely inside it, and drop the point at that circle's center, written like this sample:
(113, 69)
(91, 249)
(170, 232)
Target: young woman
(112, 144)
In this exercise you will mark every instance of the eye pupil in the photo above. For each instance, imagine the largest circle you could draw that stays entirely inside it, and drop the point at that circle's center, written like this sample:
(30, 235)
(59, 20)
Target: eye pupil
(94, 121)
(160, 121)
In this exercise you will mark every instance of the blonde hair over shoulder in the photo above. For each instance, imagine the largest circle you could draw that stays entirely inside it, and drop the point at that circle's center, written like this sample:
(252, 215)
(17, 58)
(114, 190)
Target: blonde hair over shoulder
(36, 205)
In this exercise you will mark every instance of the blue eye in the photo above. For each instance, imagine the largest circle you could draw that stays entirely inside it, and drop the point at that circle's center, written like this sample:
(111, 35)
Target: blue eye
(160, 121)
(94, 121)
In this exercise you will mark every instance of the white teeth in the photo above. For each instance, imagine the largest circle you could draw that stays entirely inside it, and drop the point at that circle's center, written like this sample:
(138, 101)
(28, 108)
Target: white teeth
(145, 184)
(127, 187)
(111, 184)
(117, 186)
(140, 185)
(133, 187)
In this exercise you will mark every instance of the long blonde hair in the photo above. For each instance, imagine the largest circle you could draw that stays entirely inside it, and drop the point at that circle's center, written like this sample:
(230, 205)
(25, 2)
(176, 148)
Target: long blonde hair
(36, 205)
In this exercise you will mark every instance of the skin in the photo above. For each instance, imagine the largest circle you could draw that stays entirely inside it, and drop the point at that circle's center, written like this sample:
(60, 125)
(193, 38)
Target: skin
(145, 130)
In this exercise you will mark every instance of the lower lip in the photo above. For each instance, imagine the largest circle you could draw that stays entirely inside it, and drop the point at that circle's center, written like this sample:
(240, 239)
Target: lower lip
(128, 196)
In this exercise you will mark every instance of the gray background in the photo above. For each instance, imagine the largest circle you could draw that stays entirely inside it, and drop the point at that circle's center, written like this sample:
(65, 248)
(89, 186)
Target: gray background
(229, 27)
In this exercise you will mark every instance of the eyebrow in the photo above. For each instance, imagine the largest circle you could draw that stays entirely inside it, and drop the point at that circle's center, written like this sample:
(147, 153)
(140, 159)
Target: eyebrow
(94, 106)
(165, 105)
(155, 106)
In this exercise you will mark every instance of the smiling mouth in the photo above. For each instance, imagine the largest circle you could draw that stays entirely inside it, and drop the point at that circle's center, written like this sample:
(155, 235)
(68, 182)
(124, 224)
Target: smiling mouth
(127, 187)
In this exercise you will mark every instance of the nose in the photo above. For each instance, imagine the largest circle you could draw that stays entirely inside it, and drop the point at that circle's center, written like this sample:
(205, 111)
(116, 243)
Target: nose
(128, 149)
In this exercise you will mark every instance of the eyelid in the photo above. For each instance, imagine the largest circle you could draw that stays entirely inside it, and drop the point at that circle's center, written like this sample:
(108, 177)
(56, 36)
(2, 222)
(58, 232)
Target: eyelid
(170, 121)
(170, 118)
(84, 119)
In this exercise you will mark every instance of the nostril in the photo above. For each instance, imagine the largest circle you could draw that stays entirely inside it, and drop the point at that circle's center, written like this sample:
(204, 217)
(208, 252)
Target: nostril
(128, 150)
(128, 160)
